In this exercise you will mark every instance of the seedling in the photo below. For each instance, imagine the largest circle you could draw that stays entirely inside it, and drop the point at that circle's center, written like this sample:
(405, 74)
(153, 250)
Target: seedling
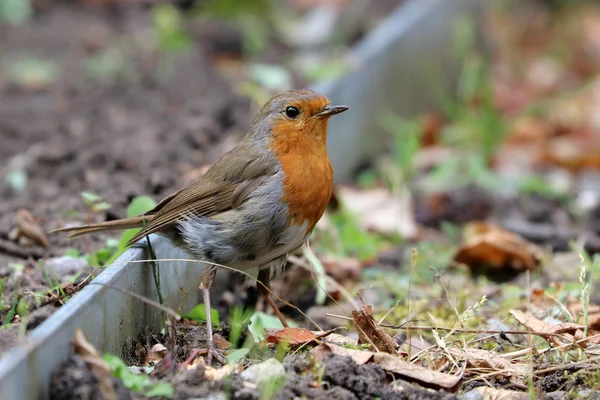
(139, 383)
(94, 202)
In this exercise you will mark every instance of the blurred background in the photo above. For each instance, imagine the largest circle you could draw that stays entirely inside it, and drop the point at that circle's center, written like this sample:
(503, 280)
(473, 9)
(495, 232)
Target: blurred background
(483, 166)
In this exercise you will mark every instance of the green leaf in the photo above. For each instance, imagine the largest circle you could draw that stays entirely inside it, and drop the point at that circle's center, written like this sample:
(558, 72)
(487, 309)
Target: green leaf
(237, 355)
(140, 205)
(103, 255)
(198, 314)
(15, 11)
(160, 389)
(112, 243)
(259, 321)
(101, 206)
(72, 252)
(90, 197)
(137, 382)
(17, 180)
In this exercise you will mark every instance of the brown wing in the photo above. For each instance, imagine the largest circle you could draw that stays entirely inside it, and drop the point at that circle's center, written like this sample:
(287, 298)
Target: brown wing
(226, 185)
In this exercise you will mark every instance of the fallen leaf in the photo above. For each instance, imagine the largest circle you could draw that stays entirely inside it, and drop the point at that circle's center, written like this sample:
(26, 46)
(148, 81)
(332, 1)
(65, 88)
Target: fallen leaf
(220, 342)
(155, 355)
(542, 327)
(27, 227)
(553, 332)
(486, 360)
(294, 336)
(339, 340)
(95, 363)
(392, 363)
(378, 210)
(488, 248)
(369, 331)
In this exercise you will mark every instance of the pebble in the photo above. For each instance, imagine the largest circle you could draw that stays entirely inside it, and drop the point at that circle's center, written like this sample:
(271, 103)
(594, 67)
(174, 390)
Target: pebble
(266, 371)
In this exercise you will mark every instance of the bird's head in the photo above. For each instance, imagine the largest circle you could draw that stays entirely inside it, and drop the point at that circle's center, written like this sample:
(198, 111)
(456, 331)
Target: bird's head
(297, 116)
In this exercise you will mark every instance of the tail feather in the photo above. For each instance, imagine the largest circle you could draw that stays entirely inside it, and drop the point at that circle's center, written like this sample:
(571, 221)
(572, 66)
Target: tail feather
(116, 225)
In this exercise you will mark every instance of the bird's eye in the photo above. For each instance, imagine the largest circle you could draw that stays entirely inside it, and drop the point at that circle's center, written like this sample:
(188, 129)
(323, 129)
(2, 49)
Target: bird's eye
(292, 112)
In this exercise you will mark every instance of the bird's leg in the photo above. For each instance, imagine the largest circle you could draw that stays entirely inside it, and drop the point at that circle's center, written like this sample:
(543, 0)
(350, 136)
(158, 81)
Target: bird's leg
(206, 281)
(264, 278)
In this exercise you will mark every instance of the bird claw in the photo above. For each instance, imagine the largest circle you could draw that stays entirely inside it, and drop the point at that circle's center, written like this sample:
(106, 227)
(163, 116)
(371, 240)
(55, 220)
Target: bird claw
(210, 352)
(214, 352)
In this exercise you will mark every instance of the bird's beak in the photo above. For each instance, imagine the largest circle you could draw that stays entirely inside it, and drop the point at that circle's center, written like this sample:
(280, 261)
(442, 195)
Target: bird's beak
(328, 111)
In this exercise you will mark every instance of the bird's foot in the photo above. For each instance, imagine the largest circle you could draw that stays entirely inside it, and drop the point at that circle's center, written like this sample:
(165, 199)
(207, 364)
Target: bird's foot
(216, 353)
(210, 354)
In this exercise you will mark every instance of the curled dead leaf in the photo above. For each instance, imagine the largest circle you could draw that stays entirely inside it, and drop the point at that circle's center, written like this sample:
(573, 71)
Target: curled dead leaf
(155, 355)
(490, 249)
(220, 342)
(95, 363)
(480, 359)
(558, 334)
(369, 331)
(27, 228)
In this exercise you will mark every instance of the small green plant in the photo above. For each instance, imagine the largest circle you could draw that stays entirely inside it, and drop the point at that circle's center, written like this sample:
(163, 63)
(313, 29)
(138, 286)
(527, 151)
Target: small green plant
(349, 239)
(587, 269)
(139, 383)
(352, 346)
(32, 72)
(108, 65)
(407, 135)
(171, 36)
(15, 12)
(2, 284)
(53, 282)
(138, 206)
(13, 308)
(17, 179)
(198, 314)
(94, 203)
(239, 319)
(253, 18)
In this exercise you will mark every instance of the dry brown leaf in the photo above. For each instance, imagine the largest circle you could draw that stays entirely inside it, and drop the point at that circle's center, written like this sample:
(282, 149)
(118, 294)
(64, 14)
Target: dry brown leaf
(488, 247)
(542, 327)
(220, 342)
(568, 331)
(484, 359)
(28, 228)
(291, 336)
(294, 336)
(392, 363)
(95, 363)
(378, 210)
(369, 331)
(339, 340)
(155, 355)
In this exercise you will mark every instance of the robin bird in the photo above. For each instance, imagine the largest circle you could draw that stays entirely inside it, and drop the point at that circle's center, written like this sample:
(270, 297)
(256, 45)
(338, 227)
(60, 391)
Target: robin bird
(256, 204)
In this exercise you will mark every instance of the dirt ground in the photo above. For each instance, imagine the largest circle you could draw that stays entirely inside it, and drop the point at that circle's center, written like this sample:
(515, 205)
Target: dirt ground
(140, 133)
(136, 134)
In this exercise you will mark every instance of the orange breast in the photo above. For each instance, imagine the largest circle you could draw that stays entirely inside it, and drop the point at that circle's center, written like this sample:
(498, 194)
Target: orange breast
(308, 183)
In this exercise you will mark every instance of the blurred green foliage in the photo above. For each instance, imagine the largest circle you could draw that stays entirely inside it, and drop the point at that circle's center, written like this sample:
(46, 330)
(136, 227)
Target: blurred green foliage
(15, 12)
